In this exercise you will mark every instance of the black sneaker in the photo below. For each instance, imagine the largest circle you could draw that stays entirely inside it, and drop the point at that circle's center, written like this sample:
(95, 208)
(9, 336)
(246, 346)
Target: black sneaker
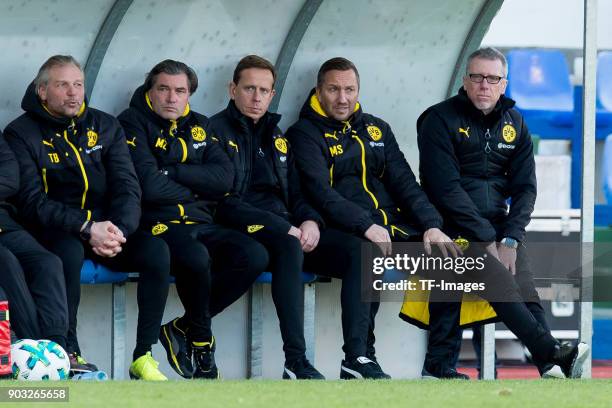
(301, 370)
(78, 365)
(571, 358)
(361, 368)
(178, 349)
(448, 374)
(204, 359)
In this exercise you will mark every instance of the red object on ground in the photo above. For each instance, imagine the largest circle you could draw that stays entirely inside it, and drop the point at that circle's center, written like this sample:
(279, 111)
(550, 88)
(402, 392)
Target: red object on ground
(601, 369)
(5, 340)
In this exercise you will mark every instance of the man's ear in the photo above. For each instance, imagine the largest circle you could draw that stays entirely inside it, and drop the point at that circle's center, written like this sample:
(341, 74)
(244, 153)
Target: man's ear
(42, 92)
(231, 89)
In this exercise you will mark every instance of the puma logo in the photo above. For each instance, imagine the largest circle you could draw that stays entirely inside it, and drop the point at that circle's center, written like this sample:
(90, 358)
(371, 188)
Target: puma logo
(132, 142)
(465, 131)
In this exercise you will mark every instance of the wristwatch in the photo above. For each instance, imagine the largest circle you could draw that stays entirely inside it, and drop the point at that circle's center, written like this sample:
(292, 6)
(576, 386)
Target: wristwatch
(85, 233)
(509, 242)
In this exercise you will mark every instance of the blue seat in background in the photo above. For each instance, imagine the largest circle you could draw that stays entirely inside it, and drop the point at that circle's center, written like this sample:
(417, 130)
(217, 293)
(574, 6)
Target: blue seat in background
(604, 90)
(539, 82)
(606, 169)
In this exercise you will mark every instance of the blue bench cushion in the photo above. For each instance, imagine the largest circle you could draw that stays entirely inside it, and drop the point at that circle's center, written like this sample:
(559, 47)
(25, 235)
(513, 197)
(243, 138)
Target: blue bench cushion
(92, 273)
(266, 277)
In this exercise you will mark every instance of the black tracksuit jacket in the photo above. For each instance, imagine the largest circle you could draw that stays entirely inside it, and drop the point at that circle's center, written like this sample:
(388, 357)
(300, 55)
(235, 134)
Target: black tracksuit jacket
(273, 202)
(73, 169)
(471, 164)
(9, 185)
(356, 175)
(182, 169)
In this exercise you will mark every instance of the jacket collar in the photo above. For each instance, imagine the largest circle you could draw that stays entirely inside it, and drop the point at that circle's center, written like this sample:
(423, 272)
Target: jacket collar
(141, 102)
(313, 110)
(503, 104)
(268, 122)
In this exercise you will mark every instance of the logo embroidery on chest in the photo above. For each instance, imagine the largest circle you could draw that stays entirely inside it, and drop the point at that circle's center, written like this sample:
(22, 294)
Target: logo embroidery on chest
(509, 133)
(465, 131)
(92, 138)
(374, 132)
(198, 133)
(281, 145)
(331, 136)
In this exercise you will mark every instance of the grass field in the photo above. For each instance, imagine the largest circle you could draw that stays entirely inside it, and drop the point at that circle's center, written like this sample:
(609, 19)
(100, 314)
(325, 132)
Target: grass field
(353, 394)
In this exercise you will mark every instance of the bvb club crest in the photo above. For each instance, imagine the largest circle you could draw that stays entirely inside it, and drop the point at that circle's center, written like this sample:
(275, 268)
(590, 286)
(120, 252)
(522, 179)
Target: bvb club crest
(92, 138)
(509, 133)
(198, 134)
(374, 133)
(281, 145)
(159, 229)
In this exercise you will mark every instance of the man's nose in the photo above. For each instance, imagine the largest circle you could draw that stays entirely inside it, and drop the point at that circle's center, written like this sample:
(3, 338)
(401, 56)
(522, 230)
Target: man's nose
(257, 95)
(171, 97)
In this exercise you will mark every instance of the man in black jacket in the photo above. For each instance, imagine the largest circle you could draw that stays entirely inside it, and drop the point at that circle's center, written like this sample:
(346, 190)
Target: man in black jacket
(266, 202)
(184, 173)
(359, 180)
(475, 154)
(80, 195)
(31, 276)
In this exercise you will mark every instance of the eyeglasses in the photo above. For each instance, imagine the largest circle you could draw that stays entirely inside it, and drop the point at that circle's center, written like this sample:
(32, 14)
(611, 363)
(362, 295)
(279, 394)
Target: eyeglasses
(478, 78)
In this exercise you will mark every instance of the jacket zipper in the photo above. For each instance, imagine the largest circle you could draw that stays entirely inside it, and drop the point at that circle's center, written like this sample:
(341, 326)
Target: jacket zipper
(364, 178)
(84, 173)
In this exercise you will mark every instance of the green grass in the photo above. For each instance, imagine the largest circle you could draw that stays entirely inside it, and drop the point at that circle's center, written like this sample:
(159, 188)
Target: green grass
(353, 394)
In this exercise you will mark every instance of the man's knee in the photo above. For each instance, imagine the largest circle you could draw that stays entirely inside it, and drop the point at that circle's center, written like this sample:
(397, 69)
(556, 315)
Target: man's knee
(154, 259)
(8, 261)
(255, 256)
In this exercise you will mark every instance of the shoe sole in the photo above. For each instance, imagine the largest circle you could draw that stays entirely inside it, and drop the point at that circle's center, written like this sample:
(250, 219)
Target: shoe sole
(581, 356)
(218, 377)
(348, 374)
(165, 341)
(555, 373)
(289, 375)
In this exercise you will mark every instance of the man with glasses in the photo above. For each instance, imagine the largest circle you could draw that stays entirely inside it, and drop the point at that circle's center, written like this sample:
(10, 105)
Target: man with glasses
(475, 154)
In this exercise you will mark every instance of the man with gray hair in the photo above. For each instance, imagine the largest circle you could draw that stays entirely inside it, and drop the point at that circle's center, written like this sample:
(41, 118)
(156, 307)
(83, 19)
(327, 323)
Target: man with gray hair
(80, 196)
(476, 154)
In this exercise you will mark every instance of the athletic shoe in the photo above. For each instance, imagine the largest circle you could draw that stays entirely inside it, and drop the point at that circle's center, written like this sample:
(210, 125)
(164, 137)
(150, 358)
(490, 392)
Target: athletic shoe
(301, 370)
(145, 368)
(571, 358)
(361, 368)
(204, 358)
(448, 374)
(178, 349)
(554, 372)
(78, 365)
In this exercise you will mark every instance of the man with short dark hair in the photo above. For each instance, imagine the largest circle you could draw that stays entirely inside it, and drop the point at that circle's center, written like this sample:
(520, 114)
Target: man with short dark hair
(184, 173)
(358, 179)
(266, 202)
(475, 154)
(80, 195)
